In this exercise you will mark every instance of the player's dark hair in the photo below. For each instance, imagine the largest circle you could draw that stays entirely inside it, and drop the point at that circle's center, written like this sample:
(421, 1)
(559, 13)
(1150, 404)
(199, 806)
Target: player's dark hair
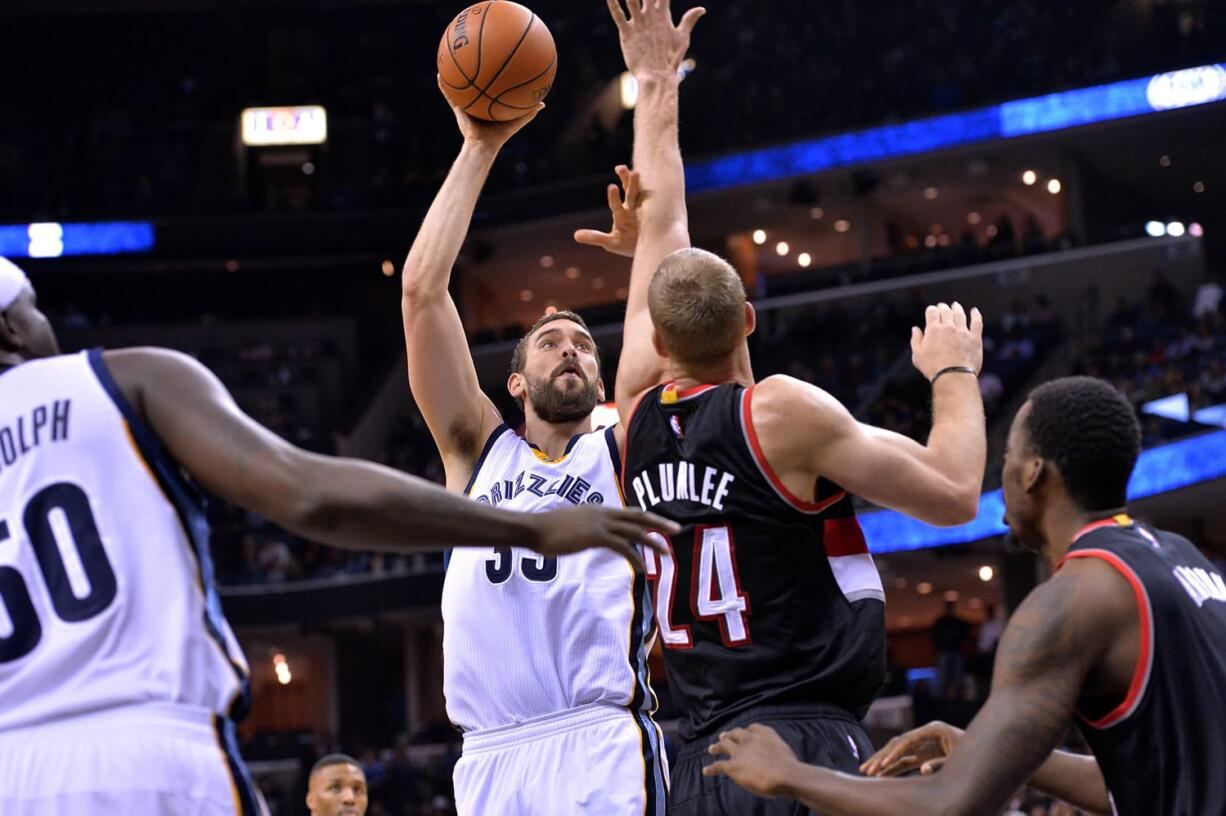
(520, 358)
(1091, 433)
(334, 759)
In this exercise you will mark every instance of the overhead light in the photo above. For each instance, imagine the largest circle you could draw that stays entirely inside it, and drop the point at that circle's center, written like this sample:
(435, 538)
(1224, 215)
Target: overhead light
(804, 259)
(1164, 161)
(526, 295)
(900, 582)
(930, 193)
(547, 262)
(817, 213)
(1196, 230)
(986, 573)
(572, 273)
(759, 237)
(1198, 187)
(1155, 229)
(992, 231)
(923, 588)
(782, 249)
(930, 241)
(1054, 186)
(389, 268)
(951, 596)
(973, 218)
(551, 309)
(597, 283)
(842, 225)
(1175, 229)
(1029, 178)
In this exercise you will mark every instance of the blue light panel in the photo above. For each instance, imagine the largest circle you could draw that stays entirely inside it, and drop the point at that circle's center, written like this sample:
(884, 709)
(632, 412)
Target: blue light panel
(1159, 470)
(1024, 117)
(53, 240)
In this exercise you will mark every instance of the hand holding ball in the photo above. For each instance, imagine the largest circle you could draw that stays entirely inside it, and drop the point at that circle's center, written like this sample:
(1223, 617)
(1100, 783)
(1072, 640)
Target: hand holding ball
(496, 61)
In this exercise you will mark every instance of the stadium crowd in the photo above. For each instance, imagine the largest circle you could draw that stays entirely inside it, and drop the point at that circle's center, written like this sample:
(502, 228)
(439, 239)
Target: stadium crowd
(145, 116)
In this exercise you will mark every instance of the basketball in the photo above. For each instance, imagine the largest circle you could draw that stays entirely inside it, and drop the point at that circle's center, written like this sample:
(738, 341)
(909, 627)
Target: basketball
(496, 60)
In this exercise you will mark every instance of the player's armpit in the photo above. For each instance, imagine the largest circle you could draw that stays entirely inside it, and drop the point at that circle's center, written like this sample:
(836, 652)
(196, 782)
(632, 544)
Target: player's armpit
(805, 433)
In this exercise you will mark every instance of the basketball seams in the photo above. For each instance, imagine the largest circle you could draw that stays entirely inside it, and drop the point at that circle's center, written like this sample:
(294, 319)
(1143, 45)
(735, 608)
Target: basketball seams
(484, 92)
(497, 100)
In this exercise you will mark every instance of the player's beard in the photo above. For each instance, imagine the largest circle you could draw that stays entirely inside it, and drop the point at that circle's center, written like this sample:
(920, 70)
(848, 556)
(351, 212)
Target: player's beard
(557, 405)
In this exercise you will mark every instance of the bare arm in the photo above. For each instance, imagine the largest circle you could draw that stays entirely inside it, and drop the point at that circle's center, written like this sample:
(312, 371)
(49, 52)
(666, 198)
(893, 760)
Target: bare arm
(653, 49)
(1075, 778)
(939, 482)
(1061, 631)
(441, 372)
(342, 502)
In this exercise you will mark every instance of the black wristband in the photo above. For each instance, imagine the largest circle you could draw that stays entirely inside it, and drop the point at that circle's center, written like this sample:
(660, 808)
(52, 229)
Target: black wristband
(953, 369)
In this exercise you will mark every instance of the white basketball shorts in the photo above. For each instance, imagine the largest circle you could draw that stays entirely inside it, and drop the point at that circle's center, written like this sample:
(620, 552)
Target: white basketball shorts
(596, 760)
(149, 759)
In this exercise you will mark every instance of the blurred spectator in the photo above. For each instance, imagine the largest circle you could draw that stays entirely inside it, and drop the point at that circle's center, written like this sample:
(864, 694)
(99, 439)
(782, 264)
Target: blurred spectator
(950, 636)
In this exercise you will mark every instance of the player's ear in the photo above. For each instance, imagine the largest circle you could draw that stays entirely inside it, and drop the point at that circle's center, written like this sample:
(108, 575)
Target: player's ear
(10, 335)
(600, 392)
(751, 319)
(516, 385)
(657, 343)
(310, 801)
(1037, 470)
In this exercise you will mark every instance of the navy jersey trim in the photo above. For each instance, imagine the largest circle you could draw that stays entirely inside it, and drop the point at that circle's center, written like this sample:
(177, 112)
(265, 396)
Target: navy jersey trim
(188, 506)
(494, 436)
(655, 786)
(610, 438)
(244, 789)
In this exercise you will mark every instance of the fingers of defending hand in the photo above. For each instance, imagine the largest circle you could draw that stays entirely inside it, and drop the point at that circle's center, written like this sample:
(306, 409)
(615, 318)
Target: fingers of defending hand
(959, 315)
(945, 315)
(717, 768)
(650, 521)
(631, 184)
(614, 196)
(592, 237)
(977, 322)
(690, 19)
(932, 316)
(932, 766)
(618, 13)
(917, 337)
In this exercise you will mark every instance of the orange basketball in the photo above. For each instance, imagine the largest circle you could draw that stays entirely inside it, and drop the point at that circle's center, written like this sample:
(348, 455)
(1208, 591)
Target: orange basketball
(497, 60)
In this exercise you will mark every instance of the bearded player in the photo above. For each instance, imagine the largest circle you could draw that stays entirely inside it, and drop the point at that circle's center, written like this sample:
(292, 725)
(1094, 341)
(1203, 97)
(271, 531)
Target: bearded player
(544, 659)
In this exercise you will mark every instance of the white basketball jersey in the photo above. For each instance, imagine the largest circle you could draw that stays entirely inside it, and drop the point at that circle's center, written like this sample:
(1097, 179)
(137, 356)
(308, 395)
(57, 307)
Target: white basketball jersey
(106, 593)
(527, 636)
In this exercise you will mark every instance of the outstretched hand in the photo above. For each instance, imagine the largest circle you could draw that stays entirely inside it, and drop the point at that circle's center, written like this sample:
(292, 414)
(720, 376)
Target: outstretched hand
(757, 759)
(947, 339)
(624, 207)
(925, 748)
(489, 134)
(651, 44)
(572, 530)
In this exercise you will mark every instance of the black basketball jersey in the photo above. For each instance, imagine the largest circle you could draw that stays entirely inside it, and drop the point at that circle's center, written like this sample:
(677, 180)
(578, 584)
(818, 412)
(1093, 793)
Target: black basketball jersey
(1163, 749)
(766, 599)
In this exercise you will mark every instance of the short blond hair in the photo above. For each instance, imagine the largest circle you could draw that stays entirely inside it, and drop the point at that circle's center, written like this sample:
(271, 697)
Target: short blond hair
(697, 303)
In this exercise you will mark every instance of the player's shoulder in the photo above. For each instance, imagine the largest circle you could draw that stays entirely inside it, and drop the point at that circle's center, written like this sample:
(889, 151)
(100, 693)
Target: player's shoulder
(787, 400)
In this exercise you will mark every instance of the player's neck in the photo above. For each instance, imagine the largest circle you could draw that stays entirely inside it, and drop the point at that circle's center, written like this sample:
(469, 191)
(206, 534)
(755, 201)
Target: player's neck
(551, 438)
(736, 368)
(1062, 524)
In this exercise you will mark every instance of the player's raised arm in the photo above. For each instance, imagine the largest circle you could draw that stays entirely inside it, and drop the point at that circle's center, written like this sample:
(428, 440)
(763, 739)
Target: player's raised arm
(653, 48)
(1051, 643)
(939, 482)
(341, 502)
(441, 371)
